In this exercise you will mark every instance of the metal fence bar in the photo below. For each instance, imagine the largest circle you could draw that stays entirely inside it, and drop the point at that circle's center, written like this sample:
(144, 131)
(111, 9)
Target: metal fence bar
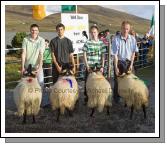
(139, 58)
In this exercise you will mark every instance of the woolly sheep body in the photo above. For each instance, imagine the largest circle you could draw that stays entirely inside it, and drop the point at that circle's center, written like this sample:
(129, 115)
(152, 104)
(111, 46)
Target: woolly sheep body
(28, 96)
(63, 95)
(99, 91)
(133, 90)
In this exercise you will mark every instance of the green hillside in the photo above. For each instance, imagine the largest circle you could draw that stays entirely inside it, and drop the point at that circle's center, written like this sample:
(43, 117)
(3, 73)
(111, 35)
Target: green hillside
(19, 18)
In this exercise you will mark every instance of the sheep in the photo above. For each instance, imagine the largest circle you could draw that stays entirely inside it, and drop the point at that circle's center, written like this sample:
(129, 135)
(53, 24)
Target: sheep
(64, 93)
(28, 95)
(133, 90)
(98, 91)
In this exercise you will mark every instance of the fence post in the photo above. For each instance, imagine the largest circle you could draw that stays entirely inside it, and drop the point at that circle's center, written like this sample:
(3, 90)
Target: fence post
(109, 59)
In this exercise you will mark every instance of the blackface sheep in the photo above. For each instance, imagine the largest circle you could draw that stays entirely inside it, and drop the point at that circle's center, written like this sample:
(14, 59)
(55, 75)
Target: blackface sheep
(133, 90)
(28, 95)
(98, 91)
(64, 93)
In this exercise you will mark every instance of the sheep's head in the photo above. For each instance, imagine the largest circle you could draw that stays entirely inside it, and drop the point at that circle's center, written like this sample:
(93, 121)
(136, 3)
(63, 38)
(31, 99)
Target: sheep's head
(67, 69)
(95, 68)
(123, 67)
(30, 72)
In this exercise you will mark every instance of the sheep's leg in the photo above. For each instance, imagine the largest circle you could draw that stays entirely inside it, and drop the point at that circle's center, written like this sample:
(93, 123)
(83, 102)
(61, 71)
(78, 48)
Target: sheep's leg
(76, 105)
(24, 117)
(33, 117)
(131, 114)
(70, 112)
(108, 112)
(86, 100)
(93, 110)
(58, 115)
(144, 111)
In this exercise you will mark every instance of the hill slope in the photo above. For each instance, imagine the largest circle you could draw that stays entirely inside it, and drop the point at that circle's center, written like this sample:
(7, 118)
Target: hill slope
(19, 18)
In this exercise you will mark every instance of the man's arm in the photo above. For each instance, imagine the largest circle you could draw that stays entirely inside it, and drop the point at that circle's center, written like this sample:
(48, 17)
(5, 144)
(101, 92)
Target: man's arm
(73, 62)
(116, 64)
(40, 57)
(86, 62)
(132, 61)
(23, 57)
(135, 49)
(55, 62)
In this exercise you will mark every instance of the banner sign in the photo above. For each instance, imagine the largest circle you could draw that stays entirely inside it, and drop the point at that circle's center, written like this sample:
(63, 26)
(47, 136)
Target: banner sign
(75, 24)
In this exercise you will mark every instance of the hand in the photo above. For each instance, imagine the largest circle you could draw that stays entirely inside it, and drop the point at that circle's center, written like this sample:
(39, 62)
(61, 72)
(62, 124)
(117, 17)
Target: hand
(130, 67)
(37, 71)
(73, 70)
(22, 71)
(89, 69)
(117, 71)
(59, 69)
(102, 70)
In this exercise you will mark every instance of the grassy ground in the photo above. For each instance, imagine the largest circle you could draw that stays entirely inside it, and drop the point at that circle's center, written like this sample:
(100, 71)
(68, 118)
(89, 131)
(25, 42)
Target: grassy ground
(117, 122)
(11, 72)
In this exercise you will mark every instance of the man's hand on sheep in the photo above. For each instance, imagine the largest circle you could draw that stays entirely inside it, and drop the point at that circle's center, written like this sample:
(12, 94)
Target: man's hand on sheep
(117, 71)
(101, 69)
(130, 67)
(59, 69)
(36, 71)
(89, 69)
(22, 71)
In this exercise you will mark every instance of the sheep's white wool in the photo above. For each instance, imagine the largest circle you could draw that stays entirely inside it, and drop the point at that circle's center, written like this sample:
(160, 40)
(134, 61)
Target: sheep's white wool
(64, 93)
(99, 91)
(28, 96)
(133, 90)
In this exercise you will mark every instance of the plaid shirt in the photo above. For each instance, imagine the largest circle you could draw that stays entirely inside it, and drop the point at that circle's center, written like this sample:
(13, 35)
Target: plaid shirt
(94, 50)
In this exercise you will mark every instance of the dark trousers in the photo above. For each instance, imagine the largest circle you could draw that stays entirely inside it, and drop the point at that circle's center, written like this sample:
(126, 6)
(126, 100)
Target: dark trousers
(55, 74)
(47, 73)
(116, 95)
(86, 76)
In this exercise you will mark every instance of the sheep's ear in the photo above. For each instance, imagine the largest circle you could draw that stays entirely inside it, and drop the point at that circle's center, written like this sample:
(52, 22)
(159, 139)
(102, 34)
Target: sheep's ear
(63, 71)
(122, 75)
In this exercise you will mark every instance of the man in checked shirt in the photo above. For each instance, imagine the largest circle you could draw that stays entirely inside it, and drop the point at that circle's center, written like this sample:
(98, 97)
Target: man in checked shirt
(124, 47)
(94, 50)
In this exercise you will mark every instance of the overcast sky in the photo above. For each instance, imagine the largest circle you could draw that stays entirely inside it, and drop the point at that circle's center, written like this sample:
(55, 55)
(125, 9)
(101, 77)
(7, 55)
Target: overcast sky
(144, 11)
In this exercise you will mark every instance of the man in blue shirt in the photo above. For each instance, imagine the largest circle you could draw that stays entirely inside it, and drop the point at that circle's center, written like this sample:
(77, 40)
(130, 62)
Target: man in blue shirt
(124, 47)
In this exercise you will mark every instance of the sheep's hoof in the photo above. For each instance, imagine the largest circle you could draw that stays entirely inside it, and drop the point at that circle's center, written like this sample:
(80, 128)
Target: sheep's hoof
(85, 101)
(23, 122)
(108, 112)
(93, 110)
(70, 113)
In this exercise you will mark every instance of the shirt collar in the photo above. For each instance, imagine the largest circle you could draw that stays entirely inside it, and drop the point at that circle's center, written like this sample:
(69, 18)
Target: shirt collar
(30, 38)
(95, 41)
(123, 38)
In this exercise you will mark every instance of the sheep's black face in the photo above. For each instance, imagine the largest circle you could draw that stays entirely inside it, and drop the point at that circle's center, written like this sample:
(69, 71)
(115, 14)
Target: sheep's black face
(67, 69)
(96, 67)
(29, 72)
(123, 67)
